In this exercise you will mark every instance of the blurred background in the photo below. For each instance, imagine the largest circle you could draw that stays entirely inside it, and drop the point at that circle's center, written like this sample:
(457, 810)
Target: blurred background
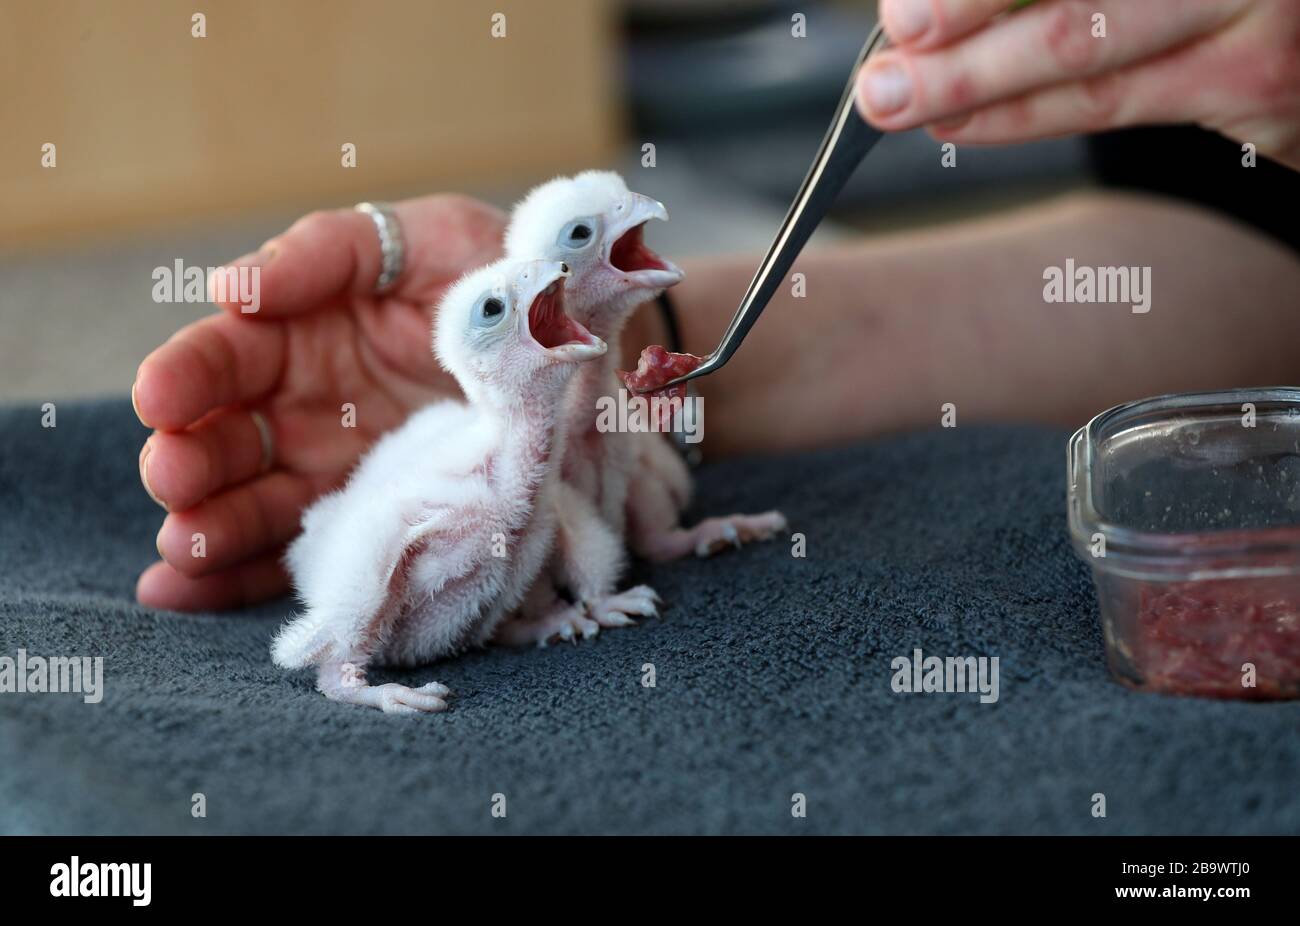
(131, 142)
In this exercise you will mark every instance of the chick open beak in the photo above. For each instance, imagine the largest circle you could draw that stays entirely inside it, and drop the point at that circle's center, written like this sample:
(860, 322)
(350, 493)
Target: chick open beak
(629, 254)
(562, 338)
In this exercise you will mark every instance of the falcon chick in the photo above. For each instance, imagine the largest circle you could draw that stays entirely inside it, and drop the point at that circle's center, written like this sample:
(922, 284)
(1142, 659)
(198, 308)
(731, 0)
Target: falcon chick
(636, 482)
(594, 224)
(448, 520)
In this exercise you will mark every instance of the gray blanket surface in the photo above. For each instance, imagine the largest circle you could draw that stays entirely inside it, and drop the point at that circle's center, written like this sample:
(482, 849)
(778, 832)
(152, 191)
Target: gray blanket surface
(772, 676)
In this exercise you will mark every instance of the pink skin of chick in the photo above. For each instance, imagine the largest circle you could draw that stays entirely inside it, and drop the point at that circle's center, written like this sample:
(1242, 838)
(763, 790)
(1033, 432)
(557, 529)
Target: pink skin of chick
(403, 565)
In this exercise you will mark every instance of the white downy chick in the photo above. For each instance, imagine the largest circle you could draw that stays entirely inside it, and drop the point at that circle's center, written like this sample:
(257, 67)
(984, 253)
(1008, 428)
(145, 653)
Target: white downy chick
(595, 224)
(398, 567)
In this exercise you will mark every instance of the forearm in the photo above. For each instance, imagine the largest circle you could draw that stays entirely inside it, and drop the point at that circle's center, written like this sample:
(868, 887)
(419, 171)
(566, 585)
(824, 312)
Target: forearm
(893, 328)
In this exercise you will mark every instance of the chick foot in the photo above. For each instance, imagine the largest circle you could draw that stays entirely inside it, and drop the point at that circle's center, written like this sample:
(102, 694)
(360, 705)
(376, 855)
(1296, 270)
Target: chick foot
(618, 610)
(346, 683)
(564, 622)
(710, 536)
(716, 534)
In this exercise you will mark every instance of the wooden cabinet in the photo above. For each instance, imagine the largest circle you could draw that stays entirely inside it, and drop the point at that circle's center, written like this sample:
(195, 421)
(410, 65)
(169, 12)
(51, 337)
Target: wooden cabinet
(151, 124)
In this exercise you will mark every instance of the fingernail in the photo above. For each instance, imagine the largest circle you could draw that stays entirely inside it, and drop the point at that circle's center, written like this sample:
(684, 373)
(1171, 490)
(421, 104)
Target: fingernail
(907, 20)
(144, 474)
(136, 406)
(886, 89)
(259, 258)
(157, 542)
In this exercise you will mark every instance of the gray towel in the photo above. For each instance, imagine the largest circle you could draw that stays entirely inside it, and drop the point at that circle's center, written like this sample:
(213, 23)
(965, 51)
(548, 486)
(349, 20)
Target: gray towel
(772, 676)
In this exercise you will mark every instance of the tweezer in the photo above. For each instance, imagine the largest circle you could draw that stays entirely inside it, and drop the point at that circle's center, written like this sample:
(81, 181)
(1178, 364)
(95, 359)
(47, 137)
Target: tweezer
(847, 142)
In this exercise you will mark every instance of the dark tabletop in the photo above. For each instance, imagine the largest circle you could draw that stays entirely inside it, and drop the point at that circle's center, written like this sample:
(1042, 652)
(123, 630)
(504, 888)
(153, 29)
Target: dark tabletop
(772, 676)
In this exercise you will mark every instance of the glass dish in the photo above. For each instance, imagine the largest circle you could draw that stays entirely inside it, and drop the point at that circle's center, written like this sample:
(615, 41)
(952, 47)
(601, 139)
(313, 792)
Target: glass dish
(1187, 508)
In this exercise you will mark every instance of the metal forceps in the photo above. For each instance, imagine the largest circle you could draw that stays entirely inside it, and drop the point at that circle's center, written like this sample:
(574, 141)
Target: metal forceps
(847, 142)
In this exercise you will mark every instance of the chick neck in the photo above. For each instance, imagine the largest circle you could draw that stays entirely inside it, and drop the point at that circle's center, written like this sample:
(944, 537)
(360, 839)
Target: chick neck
(598, 378)
(532, 424)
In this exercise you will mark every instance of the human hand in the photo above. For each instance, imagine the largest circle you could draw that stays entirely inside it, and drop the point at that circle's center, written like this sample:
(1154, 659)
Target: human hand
(974, 76)
(321, 338)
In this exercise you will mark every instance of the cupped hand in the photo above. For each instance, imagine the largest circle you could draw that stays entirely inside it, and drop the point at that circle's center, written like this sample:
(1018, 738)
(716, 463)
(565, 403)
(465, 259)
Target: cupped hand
(974, 75)
(328, 364)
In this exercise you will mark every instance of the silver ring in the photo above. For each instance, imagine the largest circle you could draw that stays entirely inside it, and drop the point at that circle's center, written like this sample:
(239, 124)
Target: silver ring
(268, 439)
(392, 246)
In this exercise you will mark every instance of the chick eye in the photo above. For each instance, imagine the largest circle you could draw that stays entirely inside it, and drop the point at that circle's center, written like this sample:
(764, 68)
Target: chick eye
(577, 235)
(489, 311)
